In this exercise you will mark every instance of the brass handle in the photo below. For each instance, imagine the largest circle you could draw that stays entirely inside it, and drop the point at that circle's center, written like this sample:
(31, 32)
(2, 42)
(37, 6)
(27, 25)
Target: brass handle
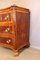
(7, 30)
(8, 41)
(7, 17)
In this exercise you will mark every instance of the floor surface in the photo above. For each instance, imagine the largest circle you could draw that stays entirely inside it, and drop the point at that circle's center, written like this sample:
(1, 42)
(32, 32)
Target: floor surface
(25, 54)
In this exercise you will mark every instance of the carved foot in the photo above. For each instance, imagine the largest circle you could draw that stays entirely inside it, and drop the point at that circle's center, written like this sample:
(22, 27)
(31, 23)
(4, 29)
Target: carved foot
(26, 46)
(16, 53)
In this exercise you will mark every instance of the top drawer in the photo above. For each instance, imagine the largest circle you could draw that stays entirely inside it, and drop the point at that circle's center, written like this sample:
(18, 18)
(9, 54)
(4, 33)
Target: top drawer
(5, 17)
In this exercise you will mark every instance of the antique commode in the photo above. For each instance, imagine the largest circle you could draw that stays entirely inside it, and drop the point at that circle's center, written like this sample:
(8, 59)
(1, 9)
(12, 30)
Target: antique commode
(14, 28)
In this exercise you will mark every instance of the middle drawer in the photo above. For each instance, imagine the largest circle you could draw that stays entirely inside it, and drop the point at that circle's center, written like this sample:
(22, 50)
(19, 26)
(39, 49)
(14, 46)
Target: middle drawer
(5, 29)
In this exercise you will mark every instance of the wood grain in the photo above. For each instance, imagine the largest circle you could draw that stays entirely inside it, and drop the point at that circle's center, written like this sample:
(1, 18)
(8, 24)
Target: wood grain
(18, 20)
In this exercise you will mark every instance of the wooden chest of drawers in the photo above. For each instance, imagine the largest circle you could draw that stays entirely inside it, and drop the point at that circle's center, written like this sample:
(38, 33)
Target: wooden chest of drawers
(14, 28)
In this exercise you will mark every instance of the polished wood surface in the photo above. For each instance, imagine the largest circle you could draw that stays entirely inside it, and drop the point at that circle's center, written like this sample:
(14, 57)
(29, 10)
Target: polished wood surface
(14, 28)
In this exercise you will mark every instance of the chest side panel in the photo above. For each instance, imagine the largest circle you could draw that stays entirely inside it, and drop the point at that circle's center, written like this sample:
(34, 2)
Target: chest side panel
(22, 27)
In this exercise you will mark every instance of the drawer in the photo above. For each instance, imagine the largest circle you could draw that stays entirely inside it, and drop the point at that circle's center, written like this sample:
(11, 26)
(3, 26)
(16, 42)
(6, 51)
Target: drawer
(6, 29)
(5, 17)
(6, 41)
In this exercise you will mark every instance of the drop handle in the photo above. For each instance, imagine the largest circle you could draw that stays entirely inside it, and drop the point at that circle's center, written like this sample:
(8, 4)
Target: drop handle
(7, 17)
(8, 41)
(7, 30)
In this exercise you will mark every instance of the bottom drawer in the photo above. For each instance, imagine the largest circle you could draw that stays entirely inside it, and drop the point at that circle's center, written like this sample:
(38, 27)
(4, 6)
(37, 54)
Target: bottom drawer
(6, 41)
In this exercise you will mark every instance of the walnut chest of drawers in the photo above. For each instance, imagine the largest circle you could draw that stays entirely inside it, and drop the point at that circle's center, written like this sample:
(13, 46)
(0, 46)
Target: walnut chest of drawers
(14, 28)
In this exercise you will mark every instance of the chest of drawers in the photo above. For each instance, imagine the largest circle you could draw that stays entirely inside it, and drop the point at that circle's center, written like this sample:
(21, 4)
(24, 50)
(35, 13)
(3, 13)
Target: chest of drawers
(14, 28)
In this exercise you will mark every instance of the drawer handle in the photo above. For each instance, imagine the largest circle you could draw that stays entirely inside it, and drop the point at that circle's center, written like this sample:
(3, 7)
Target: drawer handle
(8, 41)
(6, 18)
(8, 29)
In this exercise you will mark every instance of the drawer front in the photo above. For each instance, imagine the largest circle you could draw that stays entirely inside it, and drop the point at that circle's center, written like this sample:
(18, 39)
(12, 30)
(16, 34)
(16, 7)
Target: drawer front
(6, 29)
(6, 41)
(5, 17)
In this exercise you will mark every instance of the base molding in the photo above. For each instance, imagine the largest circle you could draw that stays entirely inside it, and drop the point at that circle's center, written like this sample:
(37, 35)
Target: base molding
(35, 47)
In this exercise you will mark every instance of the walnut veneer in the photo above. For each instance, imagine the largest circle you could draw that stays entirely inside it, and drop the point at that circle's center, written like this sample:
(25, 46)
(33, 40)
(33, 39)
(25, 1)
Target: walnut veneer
(14, 28)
